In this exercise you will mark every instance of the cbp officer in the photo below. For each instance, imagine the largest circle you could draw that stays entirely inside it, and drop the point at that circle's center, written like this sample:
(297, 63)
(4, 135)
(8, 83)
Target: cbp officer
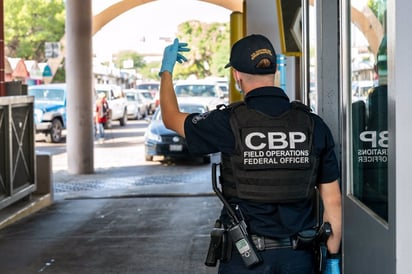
(273, 154)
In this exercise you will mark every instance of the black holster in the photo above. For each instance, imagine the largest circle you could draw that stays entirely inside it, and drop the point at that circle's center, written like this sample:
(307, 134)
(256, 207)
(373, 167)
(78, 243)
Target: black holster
(220, 246)
(314, 239)
(305, 239)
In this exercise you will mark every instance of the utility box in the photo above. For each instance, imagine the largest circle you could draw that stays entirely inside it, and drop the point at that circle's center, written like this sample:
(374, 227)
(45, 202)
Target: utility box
(17, 149)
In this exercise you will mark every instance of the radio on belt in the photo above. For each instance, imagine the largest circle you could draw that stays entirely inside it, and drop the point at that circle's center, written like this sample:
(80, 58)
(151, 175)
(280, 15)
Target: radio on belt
(238, 229)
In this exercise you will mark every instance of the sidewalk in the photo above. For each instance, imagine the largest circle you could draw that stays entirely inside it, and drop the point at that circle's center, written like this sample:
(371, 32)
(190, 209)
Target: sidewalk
(117, 220)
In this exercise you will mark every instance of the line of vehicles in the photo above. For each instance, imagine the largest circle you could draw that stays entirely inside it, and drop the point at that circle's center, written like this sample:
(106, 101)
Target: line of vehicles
(161, 144)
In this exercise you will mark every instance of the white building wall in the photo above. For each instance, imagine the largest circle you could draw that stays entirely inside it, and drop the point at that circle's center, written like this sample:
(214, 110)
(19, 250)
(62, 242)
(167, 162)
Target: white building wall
(262, 18)
(400, 99)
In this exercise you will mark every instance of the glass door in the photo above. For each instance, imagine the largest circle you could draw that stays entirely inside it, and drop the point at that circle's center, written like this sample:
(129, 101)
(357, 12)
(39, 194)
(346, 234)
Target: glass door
(369, 100)
(365, 96)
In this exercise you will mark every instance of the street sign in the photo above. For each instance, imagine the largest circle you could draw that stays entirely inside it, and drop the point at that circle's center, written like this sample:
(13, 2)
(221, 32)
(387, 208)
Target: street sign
(52, 49)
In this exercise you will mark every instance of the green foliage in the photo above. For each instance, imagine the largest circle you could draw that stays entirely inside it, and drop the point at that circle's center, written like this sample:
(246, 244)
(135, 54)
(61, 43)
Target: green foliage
(126, 55)
(60, 75)
(209, 49)
(378, 7)
(150, 71)
(28, 24)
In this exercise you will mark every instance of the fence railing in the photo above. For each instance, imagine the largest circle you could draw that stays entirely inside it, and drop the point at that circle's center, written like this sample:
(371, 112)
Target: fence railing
(17, 149)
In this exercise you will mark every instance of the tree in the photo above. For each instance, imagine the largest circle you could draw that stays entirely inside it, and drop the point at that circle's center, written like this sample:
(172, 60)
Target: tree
(209, 44)
(29, 24)
(378, 7)
(122, 58)
(151, 71)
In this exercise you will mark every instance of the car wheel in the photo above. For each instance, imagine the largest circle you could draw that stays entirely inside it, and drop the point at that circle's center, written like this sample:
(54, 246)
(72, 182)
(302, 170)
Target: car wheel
(123, 120)
(134, 117)
(56, 132)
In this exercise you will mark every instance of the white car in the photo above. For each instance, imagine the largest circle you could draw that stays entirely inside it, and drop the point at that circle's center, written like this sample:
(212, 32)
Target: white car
(117, 103)
(208, 92)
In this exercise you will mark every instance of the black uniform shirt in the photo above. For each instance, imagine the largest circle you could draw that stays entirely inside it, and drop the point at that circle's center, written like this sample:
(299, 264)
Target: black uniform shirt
(211, 132)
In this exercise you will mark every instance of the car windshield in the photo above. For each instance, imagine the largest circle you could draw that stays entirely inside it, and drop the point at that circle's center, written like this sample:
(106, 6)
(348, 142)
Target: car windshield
(131, 97)
(204, 90)
(49, 95)
(148, 86)
(146, 95)
(106, 92)
(188, 108)
(224, 88)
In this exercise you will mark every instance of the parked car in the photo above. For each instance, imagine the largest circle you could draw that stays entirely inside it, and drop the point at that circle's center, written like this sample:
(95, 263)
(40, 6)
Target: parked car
(209, 92)
(117, 103)
(152, 87)
(50, 110)
(361, 89)
(223, 84)
(149, 99)
(136, 107)
(167, 144)
(225, 89)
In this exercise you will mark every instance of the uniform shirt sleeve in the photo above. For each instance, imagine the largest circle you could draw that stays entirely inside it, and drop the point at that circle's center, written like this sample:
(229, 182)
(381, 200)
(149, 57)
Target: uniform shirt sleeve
(209, 132)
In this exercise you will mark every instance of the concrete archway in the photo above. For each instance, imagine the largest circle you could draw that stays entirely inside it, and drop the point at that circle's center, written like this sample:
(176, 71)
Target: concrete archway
(368, 24)
(115, 10)
(364, 19)
(101, 19)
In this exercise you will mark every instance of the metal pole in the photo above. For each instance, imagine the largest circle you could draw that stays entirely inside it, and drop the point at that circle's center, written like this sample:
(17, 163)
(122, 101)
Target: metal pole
(237, 31)
(305, 65)
(2, 84)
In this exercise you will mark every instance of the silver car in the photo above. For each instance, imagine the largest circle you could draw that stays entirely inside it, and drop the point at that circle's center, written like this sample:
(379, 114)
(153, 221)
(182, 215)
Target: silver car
(136, 106)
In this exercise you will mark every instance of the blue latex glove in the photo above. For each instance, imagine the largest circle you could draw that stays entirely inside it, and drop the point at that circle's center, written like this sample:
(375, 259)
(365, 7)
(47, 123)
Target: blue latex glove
(332, 266)
(171, 55)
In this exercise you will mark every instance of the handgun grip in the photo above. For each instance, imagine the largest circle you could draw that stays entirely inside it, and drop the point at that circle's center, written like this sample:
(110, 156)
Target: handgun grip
(324, 232)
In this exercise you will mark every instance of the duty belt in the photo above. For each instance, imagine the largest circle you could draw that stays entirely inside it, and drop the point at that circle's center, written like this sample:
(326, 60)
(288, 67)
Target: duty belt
(263, 243)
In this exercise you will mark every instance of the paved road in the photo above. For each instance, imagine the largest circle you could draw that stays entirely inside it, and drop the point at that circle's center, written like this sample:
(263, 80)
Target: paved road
(122, 154)
(130, 216)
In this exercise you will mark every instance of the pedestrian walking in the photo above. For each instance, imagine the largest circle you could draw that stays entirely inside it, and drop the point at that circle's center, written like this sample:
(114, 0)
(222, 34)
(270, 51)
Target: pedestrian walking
(101, 115)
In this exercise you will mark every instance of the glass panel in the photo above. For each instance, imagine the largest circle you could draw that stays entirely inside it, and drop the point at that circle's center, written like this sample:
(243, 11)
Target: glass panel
(369, 104)
(313, 93)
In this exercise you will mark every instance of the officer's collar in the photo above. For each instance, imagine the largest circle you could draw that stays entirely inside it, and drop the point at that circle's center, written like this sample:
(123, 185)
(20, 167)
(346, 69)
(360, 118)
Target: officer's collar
(266, 91)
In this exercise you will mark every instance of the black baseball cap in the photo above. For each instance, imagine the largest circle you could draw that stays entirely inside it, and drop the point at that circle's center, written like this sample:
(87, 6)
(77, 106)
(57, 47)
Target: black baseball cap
(247, 53)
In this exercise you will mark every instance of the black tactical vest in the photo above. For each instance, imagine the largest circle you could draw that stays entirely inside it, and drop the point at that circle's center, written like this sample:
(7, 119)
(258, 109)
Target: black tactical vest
(273, 159)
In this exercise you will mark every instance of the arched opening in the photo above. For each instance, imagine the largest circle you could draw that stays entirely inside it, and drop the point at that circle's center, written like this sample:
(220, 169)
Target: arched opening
(113, 11)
